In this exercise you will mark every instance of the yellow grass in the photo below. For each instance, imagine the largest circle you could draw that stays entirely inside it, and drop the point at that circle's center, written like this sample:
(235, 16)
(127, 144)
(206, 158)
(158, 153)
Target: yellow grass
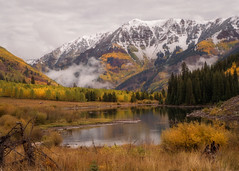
(57, 113)
(81, 106)
(128, 157)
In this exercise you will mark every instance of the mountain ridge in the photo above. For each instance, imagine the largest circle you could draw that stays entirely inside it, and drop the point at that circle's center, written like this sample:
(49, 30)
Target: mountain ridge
(13, 68)
(139, 45)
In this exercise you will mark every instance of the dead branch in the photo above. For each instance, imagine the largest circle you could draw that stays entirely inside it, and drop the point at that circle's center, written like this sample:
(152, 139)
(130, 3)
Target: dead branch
(8, 145)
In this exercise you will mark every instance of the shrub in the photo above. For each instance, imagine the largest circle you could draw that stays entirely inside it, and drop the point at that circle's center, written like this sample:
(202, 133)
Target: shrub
(53, 139)
(206, 110)
(41, 118)
(190, 136)
(7, 122)
(36, 134)
(215, 111)
(7, 109)
(70, 117)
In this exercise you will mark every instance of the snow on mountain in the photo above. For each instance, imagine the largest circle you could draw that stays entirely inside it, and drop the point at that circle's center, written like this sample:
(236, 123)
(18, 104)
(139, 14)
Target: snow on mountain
(31, 61)
(149, 37)
(66, 53)
(157, 41)
(152, 37)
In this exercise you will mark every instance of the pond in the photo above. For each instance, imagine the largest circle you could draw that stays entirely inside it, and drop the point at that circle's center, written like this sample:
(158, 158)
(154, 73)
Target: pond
(153, 120)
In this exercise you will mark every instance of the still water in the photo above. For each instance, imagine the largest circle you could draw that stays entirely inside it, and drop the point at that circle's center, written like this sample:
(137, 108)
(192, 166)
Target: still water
(153, 120)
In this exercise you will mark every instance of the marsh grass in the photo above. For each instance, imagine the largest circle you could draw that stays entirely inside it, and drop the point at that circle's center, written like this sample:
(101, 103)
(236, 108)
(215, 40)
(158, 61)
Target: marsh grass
(144, 157)
(47, 115)
(189, 138)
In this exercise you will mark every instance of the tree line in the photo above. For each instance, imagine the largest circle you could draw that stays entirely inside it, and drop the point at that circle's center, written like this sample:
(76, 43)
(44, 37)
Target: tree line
(77, 94)
(210, 84)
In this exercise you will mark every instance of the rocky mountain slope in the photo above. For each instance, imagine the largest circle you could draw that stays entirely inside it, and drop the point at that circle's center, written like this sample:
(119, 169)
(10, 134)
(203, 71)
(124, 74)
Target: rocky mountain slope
(15, 69)
(141, 51)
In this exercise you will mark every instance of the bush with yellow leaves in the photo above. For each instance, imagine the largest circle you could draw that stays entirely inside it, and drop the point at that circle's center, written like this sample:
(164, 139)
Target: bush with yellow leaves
(192, 136)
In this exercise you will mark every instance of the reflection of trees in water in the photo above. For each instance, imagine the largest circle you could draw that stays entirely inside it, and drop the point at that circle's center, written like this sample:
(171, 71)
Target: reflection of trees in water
(93, 114)
(162, 111)
(142, 110)
(136, 110)
(111, 113)
(153, 121)
(174, 115)
(177, 115)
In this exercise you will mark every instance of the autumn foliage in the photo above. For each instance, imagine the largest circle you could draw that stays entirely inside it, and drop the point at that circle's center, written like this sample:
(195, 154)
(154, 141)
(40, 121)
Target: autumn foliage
(192, 136)
(14, 69)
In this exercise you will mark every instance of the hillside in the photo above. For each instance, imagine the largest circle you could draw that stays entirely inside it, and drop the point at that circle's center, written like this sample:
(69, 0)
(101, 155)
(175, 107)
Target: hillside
(227, 111)
(138, 47)
(15, 69)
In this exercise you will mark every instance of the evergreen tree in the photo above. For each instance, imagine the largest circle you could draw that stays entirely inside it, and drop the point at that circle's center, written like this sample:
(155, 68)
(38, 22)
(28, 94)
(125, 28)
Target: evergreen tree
(206, 85)
(133, 98)
(92, 96)
(170, 96)
(105, 97)
(185, 71)
(163, 93)
(156, 96)
(114, 98)
(110, 97)
(160, 99)
(138, 97)
(189, 93)
(32, 80)
(228, 92)
(180, 91)
(235, 82)
(197, 91)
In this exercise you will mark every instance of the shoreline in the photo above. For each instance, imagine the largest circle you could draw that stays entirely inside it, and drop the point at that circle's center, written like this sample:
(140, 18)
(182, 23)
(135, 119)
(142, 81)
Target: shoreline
(86, 106)
(116, 122)
(201, 114)
(228, 111)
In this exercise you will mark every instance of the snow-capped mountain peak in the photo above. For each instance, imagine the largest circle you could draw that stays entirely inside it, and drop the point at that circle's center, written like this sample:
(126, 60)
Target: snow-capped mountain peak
(146, 43)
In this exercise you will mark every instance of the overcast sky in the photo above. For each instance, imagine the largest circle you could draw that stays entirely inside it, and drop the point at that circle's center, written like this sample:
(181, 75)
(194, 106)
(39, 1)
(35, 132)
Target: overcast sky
(32, 28)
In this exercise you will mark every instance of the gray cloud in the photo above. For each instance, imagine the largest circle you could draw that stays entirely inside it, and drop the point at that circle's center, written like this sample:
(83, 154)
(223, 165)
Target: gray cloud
(31, 28)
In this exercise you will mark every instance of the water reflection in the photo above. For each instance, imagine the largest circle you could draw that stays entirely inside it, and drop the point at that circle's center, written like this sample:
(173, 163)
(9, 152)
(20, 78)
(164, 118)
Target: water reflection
(153, 121)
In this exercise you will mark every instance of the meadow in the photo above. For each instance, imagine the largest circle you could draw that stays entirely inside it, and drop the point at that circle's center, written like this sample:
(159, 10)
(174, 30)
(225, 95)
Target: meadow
(145, 157)
(182, 146)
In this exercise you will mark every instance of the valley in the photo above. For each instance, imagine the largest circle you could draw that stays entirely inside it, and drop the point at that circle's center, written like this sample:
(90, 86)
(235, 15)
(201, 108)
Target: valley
(147, 95)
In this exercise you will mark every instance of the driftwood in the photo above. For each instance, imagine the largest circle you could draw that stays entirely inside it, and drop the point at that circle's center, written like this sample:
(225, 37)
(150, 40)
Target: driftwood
(17, 137)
